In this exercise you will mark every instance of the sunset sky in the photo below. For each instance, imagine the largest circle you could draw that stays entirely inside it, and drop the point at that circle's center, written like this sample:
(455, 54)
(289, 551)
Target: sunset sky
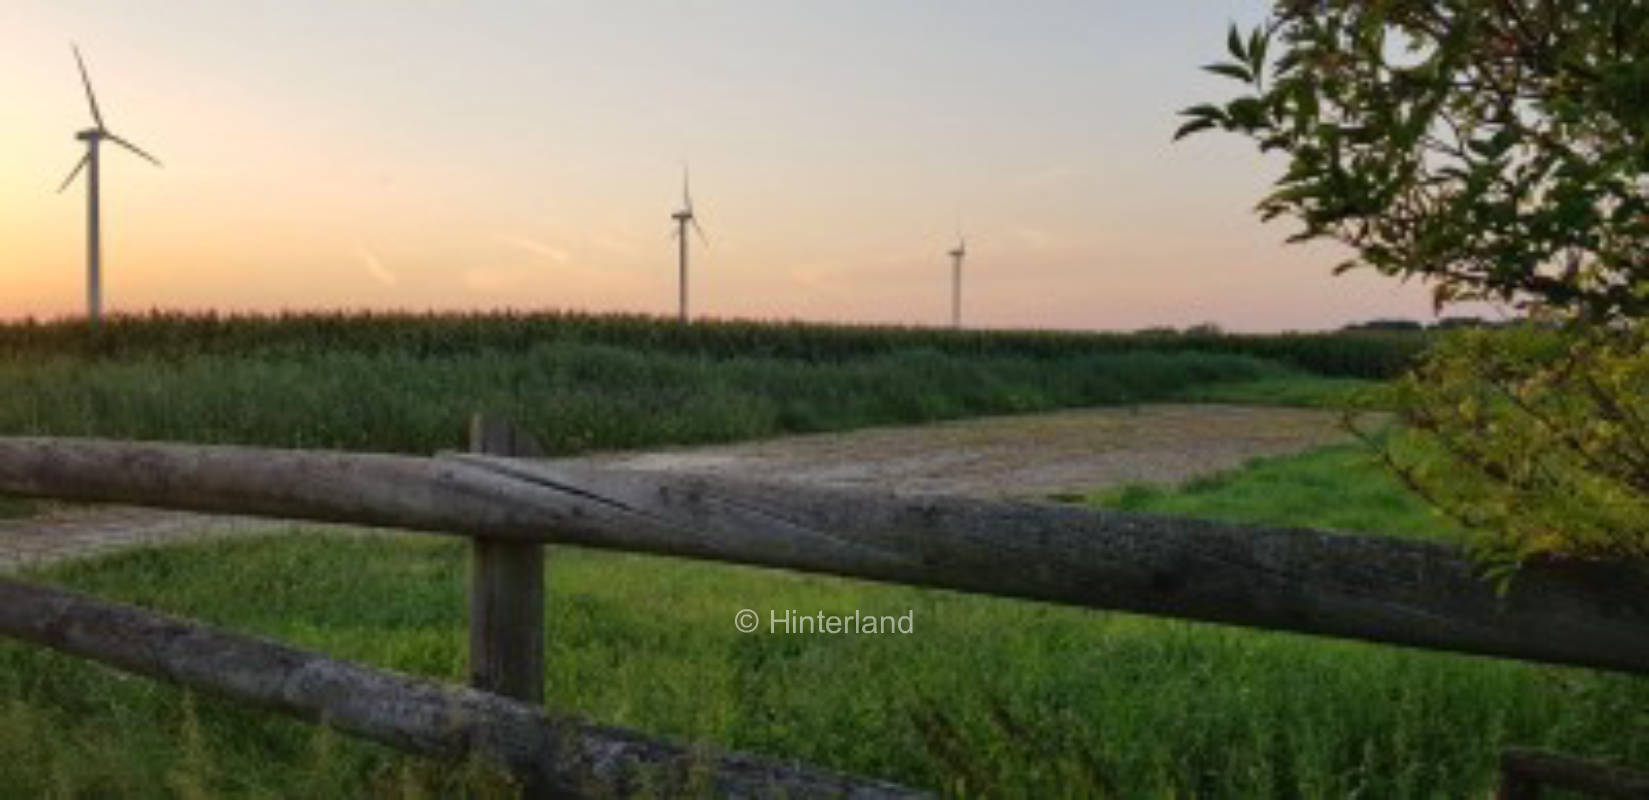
(484, 154)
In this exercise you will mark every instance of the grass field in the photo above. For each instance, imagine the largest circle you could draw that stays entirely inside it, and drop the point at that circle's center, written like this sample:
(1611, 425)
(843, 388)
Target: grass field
(987, 696)
(1333, 488)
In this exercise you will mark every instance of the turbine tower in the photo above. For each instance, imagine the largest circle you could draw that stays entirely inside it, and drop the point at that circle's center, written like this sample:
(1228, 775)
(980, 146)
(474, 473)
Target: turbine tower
(683, 218)
(93, 137)
(956, 256)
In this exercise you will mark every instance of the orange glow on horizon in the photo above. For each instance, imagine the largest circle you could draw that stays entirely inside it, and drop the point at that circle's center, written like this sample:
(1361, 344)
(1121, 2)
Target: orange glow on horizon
(535, 164)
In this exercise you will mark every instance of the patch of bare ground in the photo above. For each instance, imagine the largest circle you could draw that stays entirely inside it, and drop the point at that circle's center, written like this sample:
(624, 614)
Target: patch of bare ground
(1025, 456)
(76, 531)
(80, 531)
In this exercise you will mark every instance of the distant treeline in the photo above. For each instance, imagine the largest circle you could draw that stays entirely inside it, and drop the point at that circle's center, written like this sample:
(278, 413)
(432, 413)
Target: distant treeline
(1444, 324)
(1375, 354)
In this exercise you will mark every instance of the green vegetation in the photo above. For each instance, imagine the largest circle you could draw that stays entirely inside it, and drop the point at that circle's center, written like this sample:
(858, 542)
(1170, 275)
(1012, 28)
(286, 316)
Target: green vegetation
(1377, 355)
(1312, 391)
(1535, 440)
(1339, 488)
(987, 696)
(1500, 153)
(407, 383)
(573, 397)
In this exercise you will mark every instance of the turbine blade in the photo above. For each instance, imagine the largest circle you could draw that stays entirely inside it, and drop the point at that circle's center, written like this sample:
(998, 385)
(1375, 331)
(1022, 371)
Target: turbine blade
(698, 230)
(134, 148)
(76, 171)
(86, 80)
(686, 189)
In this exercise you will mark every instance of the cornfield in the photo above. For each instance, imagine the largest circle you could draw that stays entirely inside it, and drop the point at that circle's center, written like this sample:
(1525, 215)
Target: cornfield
(1362, 354)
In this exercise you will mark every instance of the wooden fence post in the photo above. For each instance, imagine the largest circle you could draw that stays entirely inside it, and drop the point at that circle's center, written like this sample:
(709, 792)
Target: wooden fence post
(506, 590)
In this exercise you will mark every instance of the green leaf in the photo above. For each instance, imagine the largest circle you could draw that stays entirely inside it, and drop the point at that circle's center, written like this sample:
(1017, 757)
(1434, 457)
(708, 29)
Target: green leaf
(1276, 142)
(1248, 112)
(1200, 124)
(1233, 42)
(1256, 51)
(1306, 108)
(1237, 71)
(1287, 62)
(1290, 195)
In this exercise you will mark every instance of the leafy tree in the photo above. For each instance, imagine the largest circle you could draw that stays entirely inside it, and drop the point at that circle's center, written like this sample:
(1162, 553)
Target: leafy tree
(1496, 148)
(1453, 323)
(1384, 325)
(1535, 440)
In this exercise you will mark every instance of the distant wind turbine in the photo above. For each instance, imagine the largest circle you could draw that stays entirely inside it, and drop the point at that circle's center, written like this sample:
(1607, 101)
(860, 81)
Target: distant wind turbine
(956, 256)
(683, 218)
(89, 162)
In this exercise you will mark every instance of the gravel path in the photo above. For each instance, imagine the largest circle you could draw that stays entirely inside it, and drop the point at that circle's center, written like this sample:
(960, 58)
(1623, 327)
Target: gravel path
(1028, 456)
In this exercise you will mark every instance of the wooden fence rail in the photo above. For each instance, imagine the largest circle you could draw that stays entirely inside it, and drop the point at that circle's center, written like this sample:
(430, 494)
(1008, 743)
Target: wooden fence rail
(1378, 589)
(1525, 772)
(554, 756)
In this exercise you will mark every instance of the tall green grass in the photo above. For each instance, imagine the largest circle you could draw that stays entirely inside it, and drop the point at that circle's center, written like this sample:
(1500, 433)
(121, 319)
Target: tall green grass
(987, 697)
(1301, 389)
(573, 397)
(1336, 488)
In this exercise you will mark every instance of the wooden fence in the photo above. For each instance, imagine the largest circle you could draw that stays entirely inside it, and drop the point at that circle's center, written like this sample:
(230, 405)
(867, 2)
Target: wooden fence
(1370, 588)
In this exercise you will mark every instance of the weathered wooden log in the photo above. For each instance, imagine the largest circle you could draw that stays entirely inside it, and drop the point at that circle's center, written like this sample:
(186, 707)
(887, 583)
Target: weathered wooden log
(1524, 772)
(563, 755)
(506, 591)
(1372, 588)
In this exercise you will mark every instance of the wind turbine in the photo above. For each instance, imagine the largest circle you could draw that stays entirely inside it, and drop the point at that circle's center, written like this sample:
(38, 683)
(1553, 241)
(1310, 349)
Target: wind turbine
(93, 137)
(956, 256)
(683, 218)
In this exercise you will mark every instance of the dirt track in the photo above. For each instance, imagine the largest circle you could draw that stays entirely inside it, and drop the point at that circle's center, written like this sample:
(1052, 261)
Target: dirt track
(1029, 456)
